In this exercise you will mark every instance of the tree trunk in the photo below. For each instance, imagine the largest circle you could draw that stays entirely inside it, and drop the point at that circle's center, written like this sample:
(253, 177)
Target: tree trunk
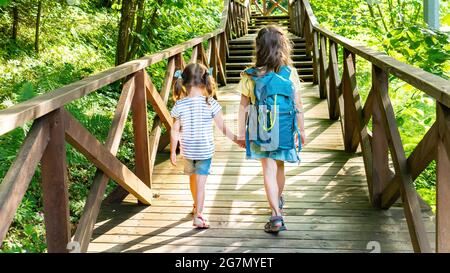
(15, 25)
(382, 18)
(153, 20)
(372, 14)
(126, 22)
(139, 23)
(38, 23)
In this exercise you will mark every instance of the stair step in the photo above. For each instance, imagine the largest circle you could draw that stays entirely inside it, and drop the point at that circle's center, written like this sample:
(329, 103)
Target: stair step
(250, 52)
(263, 25)
(250, 40)
(285, 28)
(234, 59)
(303, 70)
(257, 22)
(304, 78)
(275, 18)
(269, 22)
(250, 46)
(247, 64)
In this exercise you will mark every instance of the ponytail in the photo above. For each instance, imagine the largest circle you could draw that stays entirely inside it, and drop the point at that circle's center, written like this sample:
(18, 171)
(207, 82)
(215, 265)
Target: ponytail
(179, 91)
(210, 86)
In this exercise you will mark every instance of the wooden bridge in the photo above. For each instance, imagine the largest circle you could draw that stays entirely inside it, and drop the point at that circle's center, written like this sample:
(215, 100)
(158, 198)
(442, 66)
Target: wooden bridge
(353, 190)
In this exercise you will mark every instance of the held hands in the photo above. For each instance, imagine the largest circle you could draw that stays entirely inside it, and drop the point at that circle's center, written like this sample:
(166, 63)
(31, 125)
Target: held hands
(239, 141)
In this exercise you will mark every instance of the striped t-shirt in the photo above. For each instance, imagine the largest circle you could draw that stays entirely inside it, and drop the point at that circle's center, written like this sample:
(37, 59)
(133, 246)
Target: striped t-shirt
(195, 115)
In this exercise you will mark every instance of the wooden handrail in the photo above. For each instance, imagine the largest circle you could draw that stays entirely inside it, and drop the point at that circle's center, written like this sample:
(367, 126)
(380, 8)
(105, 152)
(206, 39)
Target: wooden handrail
(53, 126)
(341, 92)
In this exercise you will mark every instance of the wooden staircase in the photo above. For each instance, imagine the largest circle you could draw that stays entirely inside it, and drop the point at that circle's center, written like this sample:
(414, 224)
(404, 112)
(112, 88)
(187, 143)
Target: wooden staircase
(241, 50)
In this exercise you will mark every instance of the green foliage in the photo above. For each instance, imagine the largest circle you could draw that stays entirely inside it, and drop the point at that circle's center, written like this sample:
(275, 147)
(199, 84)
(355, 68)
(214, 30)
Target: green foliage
(397, 28)
(78, 41)
(425, 48)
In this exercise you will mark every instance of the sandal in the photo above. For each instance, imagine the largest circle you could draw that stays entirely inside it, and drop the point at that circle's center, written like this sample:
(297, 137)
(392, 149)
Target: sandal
(275, 225)
(200, 223)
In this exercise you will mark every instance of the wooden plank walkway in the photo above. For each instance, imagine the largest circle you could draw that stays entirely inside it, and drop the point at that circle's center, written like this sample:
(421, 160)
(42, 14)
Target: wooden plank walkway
(327, 206)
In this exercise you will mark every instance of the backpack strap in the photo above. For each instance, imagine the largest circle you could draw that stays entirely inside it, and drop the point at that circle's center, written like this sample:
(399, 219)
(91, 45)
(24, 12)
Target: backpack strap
(251, 72)
(285, 72)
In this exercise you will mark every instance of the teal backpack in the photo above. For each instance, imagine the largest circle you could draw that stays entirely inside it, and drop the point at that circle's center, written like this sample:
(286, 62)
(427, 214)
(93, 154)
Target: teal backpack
(272, 122)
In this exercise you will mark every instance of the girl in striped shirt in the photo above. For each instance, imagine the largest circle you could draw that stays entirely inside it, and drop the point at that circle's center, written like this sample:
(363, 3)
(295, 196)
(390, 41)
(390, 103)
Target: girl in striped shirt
(193, 113)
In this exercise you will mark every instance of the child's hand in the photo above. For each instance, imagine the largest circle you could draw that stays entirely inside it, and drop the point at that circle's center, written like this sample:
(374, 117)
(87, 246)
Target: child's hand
(303, 137)
(240, 142)
(173, 159)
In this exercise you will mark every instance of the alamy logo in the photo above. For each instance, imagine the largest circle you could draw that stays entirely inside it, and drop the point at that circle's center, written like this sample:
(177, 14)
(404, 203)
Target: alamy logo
(375, 246)
(74, 247)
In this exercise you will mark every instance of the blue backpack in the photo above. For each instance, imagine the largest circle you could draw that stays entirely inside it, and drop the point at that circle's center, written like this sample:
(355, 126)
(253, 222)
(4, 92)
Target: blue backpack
(272, 122)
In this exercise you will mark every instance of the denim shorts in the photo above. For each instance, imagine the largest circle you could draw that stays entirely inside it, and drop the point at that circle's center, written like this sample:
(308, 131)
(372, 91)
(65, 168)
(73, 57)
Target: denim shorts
(193, 166)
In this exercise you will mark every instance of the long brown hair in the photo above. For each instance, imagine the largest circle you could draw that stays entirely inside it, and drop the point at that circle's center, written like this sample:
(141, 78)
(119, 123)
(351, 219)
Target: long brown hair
(194, 75)
(273, 49)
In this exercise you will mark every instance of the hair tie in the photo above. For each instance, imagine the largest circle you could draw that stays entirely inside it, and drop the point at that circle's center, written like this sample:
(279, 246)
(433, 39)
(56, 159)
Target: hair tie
(210, 71)
(178, 74)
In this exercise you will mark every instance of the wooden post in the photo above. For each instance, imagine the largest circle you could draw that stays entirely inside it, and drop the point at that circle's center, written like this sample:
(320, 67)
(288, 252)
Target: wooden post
(221, 75)
(201, 58)
(443, 180)
(347, 90)
(409, 195)
(140, 129)
(94, 200)
(224, 51)
(333, 85)
(212, 56)
(323, 69)
(315, 45)
(303, 17)
(356, 128)
(194, 55)
(380, 147)
(157, 124)
(54, 186)
(293, 19)
(179, 60)
(232, 12)
(20, 173)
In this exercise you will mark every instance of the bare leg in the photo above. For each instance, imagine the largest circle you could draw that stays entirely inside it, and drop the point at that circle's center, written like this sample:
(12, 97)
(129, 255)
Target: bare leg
(193, 187)
(281, 178)
(200, 194)
(270, 184)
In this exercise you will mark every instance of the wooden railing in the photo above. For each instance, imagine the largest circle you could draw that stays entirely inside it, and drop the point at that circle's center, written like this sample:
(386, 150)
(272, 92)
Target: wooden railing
(53, 126)
(268, 7)
(341, 91)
